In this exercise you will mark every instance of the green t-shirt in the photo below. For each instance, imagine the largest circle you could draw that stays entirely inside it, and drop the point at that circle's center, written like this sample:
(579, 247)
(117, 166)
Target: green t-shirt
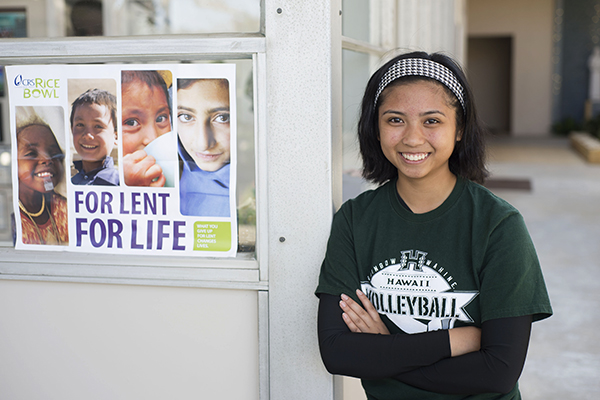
(468, 261)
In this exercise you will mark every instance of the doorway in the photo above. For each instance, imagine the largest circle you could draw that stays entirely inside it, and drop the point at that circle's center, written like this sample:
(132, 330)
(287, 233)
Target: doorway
(489, 65)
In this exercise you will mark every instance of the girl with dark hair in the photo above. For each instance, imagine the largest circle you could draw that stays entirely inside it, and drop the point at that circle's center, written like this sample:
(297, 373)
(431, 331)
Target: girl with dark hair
(430, 283)
(204, 131)
(468, 157)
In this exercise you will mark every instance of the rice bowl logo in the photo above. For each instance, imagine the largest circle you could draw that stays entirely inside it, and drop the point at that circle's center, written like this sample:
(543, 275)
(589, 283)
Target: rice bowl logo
(416, 295)
(38, 87)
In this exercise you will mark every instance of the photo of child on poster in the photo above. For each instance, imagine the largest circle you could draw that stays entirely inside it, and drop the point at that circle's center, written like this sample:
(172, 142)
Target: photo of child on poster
(104, 166)
(149, 152)
(93, 120)
(41, 173)
(203, 127)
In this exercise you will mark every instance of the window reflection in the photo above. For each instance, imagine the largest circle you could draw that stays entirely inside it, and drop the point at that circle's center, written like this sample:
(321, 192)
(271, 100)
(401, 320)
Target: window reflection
(59, 18)
(13, 23)
(355, 67)
(356, 19)
(151, 17)
(5, 196)
(86, 18)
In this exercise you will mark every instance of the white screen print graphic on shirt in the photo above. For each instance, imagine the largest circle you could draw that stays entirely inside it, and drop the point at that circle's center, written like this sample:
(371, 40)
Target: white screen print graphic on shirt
(417, 294)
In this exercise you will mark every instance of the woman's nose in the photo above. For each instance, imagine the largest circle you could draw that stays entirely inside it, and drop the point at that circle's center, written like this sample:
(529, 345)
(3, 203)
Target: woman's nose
(412, 136)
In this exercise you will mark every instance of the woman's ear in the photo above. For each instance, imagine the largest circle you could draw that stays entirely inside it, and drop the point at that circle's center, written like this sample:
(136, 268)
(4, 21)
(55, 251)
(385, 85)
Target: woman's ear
(459, 135)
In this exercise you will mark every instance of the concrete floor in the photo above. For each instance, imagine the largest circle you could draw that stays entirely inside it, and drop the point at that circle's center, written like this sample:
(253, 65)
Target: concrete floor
(562, 212)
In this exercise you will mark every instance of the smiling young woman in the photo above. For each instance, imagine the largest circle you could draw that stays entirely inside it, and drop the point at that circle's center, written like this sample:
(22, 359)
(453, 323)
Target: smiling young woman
(430, 282)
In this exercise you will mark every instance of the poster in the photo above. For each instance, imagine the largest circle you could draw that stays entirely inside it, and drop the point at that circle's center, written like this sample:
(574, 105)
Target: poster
(124, 159)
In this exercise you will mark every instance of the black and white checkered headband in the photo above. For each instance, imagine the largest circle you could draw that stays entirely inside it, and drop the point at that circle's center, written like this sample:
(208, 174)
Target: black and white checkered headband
(426, 68)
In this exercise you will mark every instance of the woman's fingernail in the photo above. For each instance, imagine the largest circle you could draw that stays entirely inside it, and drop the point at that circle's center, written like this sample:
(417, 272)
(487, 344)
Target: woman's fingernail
(342, 304)
(344, 297)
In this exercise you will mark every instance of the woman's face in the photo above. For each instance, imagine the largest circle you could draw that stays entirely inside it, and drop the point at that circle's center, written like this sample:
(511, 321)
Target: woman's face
(40, 160)
(145, 115)
(417, 129)
(203, 122)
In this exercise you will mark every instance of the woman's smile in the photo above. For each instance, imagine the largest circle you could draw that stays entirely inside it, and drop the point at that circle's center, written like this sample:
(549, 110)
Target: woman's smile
(415, 157)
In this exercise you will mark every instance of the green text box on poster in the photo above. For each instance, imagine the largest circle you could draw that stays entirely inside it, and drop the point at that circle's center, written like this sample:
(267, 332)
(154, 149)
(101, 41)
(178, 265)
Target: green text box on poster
(212, 236)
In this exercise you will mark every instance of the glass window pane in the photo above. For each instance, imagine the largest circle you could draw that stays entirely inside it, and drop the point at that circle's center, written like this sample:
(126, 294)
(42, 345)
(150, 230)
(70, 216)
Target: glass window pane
(5, 196)
(355, 67)
(147, 17)
(246, 199)
(356, 19)
(60, 18)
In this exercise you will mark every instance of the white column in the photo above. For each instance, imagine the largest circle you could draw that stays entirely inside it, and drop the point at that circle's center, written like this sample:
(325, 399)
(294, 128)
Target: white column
(304, 178)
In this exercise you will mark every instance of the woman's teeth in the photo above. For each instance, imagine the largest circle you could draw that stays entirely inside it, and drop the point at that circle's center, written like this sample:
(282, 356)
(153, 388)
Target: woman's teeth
(415, 157)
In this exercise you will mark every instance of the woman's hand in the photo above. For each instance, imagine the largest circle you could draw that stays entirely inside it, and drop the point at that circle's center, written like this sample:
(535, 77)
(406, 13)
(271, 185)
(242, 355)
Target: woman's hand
(359, 319)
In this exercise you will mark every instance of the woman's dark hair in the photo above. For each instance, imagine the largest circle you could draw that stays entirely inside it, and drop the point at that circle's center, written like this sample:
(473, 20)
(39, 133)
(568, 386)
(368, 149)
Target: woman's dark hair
(468, 157)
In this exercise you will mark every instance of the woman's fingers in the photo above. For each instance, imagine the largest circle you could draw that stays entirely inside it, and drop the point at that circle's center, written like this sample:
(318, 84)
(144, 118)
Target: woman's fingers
(367, 305)
(350, 324)
(358, 319)
(355, 314)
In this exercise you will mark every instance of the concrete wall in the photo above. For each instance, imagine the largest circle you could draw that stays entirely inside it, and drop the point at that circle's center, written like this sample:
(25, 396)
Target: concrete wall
(530, 25)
